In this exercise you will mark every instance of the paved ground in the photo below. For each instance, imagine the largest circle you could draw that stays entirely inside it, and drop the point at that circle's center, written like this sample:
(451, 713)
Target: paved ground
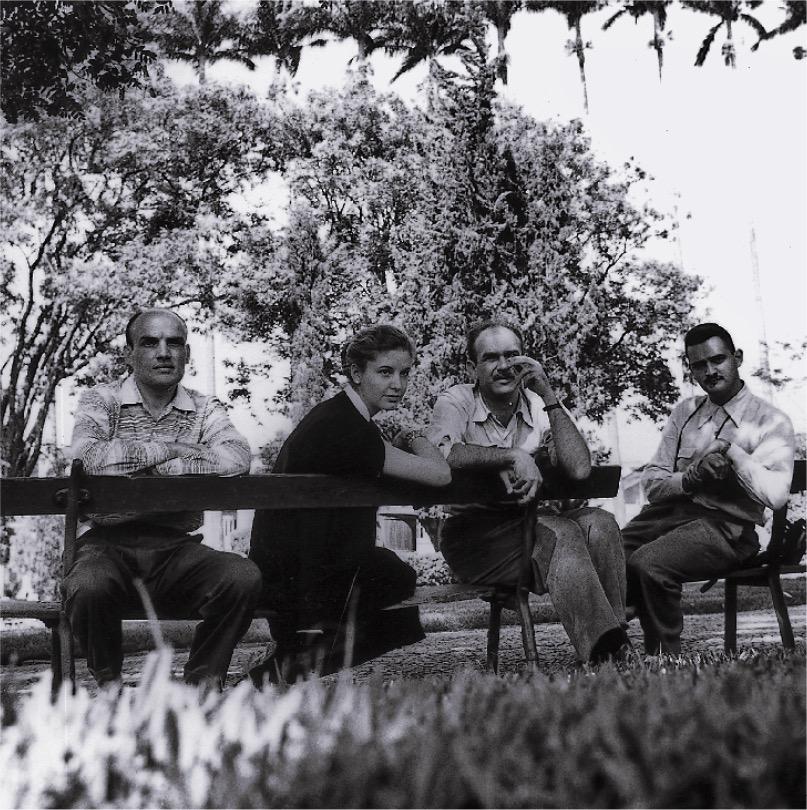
(443, 653)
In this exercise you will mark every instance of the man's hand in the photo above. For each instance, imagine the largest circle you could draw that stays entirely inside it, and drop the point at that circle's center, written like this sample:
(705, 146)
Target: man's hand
(714, 467)
(531, 374)
(523, 478)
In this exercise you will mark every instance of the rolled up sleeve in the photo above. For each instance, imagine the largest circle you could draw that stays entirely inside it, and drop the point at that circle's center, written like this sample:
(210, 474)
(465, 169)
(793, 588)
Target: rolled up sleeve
(447, 426)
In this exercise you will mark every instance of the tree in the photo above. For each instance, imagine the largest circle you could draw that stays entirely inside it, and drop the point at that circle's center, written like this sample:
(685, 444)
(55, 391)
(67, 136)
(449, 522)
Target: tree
(53, 50)
(729, 12)
(122, 208)
(434, 218)
(574, 12)
(795, 17)
(202, 34)
(425, 29)
(657, 9)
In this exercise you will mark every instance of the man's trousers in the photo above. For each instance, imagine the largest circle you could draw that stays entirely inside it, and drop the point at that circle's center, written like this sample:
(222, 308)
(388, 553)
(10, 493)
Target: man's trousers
(670, 543)
(181, 576)
(577, 558)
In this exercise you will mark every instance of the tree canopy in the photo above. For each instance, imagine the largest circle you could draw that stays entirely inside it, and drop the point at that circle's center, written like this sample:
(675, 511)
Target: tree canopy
(435, 218)
(52, 50)
(116, 210)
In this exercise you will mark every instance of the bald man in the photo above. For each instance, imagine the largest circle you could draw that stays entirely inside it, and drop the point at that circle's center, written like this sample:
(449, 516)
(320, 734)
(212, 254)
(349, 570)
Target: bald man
(148, 423)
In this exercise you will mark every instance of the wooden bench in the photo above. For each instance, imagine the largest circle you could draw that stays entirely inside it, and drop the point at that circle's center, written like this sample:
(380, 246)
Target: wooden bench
(80, 493)
(782, 556)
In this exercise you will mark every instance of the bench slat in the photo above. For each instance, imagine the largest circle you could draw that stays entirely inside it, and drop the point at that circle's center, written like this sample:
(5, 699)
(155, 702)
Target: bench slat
(109, 494)
(23, 609)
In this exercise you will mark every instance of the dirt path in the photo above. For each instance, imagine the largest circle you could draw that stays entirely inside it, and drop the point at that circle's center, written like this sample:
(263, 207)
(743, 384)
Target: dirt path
(444, 653)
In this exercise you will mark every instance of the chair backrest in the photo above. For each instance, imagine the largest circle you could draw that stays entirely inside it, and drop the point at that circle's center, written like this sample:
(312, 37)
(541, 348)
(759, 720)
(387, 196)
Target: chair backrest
(787, 534)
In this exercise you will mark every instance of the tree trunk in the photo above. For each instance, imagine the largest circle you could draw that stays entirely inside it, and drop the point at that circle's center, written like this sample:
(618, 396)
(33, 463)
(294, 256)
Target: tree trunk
(581, 61)
(730, 59)
(658, 43)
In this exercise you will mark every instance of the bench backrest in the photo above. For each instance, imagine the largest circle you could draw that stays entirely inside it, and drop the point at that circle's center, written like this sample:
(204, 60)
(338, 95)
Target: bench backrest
(111, 494)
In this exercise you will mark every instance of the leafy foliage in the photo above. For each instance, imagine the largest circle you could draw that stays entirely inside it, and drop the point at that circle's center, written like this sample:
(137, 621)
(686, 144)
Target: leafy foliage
(698, 731)
(435, 218)
(126, 207)
(53, 50)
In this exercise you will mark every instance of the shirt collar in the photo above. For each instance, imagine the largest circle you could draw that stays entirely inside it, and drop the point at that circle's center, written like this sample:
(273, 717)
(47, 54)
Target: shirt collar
(734, 408)
(357, 401)
(482, 412)
(130, 395)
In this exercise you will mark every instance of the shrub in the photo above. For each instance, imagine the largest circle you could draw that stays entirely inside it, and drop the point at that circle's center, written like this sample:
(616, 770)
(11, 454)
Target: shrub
(431, 568)
(700, 731)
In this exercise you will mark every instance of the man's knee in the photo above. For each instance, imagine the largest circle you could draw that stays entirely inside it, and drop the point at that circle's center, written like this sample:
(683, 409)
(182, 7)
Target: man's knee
(645, 564)
(88, 587)
(599, 525)
(241, 578)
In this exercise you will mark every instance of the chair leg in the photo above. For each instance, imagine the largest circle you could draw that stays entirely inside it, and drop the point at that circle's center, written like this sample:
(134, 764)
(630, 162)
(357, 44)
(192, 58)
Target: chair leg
(780, 608)
(494, 626)
(527, 628)
(730, 631)
(68, 665)
(55, 657)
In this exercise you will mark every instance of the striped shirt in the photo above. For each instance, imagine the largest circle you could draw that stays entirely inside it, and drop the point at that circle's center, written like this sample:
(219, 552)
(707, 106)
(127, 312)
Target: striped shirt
(761, 454)
(114, 434)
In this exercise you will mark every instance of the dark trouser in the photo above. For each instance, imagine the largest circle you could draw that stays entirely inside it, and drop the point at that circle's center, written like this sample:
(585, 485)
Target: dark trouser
(182, 578)
(670, 543)
(577, 559)
(354, 596)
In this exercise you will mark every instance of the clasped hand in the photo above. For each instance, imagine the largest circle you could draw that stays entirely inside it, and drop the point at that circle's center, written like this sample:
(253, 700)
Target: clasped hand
(522, 478)
(710, 465)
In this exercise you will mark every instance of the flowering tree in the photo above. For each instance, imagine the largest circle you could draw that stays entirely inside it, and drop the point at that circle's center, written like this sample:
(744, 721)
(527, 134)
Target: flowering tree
(104, 214)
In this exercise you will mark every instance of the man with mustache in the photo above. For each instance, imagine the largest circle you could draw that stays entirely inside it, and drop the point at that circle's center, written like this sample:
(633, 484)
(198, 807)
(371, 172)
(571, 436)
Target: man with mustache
(723, 458)
(510, 416)
(148, 423)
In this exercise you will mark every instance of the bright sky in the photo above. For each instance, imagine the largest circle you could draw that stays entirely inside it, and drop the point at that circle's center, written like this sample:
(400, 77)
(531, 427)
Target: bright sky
(725, 147)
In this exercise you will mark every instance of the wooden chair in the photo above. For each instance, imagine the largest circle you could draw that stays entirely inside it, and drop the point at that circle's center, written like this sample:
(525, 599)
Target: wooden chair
(782, 556)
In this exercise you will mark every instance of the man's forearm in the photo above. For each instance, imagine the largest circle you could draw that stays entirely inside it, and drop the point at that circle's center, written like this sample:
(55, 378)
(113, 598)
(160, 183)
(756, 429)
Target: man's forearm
(572, 451)
(475, 457)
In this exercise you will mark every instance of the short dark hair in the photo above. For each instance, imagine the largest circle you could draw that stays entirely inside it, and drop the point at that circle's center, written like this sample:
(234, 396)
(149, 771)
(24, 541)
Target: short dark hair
(149, 311)
(703, 331)
(482, 326)
(367, 343)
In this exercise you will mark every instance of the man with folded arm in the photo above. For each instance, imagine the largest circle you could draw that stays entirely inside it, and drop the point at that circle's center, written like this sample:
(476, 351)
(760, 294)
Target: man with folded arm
(723, 458)
(501, 423)
(148, 423)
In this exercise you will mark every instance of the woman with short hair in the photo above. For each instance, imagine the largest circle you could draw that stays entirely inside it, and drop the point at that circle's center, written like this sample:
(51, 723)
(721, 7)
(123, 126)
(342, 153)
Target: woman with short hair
(315, 562)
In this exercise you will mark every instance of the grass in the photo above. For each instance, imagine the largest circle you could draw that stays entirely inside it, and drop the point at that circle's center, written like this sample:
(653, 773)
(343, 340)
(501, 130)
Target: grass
(697, 731)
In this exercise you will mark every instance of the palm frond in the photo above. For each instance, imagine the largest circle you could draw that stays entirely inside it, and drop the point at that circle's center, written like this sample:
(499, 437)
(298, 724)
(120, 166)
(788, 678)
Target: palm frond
(703, 51)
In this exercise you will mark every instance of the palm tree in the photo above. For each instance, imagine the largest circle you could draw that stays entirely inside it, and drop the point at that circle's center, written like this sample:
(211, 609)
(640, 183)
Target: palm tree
(795, 16)
(658, 10)
(729, 12)
(574, 13)
(499, 13)
(202, 34)
(357, 20)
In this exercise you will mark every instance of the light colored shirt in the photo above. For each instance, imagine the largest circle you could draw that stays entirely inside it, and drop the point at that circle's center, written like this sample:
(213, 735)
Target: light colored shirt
(761, 453)
(358, 403)
(114, 434)
(461, 417)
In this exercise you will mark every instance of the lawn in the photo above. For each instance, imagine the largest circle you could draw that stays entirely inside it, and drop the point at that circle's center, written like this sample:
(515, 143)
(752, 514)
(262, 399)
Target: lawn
(699, 731)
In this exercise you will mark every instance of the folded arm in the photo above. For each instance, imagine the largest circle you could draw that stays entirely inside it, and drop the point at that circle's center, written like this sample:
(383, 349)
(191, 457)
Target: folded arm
(222, 450)
(766, 472)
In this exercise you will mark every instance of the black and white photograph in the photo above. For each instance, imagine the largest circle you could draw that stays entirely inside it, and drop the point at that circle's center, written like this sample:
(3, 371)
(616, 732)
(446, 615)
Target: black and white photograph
(403, 403)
